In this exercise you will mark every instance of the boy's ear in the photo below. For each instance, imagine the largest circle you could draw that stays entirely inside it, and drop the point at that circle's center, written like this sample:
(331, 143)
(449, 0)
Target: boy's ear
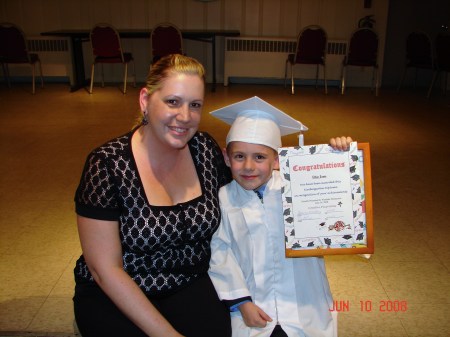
(276, 164)
(225, 156)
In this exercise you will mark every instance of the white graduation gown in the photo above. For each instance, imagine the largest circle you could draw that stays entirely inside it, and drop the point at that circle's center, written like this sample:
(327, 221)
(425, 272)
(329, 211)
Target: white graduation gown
(248, 259)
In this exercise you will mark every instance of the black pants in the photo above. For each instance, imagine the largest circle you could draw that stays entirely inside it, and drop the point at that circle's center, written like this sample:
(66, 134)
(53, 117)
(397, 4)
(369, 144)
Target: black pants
(194, 311)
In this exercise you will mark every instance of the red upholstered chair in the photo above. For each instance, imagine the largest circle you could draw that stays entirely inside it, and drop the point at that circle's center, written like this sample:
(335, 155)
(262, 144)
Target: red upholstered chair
(13, 50)
(442, 47)
(165, 39)
(107, 48)
(419, 54)
(362, 52)
(311, 50)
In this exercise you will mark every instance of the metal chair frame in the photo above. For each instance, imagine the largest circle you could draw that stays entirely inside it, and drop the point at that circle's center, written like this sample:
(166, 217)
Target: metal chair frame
(352, 60)
(442, 50)
(113, 55)
(302, 50)
(419, 54)
(14, 50)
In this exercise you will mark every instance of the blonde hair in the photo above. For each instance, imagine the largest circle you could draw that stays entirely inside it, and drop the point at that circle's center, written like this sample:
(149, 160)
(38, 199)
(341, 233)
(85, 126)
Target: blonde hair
(167, 66)
(172, 64)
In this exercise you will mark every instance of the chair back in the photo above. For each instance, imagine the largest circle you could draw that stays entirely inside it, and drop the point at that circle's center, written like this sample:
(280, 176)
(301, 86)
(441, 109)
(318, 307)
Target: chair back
(443, 51)
(13, 46)
(419, 50)
(166, 39)
(105, 41)
(311, 45)
(363, 48)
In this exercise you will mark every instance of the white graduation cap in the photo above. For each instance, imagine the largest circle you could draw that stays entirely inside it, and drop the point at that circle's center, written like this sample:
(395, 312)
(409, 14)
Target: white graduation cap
(255, 121)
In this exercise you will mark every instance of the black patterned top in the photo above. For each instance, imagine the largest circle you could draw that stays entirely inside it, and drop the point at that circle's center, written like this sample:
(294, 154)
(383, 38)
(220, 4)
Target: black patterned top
(164, 247)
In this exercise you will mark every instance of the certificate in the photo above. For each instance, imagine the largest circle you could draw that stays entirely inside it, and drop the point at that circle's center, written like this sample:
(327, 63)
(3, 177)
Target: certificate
(327, 200)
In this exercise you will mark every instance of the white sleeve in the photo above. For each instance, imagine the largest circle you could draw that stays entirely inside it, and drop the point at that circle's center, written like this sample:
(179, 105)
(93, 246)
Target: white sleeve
(225, 271)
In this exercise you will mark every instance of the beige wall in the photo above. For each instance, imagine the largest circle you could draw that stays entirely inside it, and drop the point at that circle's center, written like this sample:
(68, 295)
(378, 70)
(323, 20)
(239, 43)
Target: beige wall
(283, 18)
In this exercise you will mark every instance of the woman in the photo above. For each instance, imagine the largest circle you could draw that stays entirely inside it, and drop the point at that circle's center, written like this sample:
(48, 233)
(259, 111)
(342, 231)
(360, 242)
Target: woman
(147, 206)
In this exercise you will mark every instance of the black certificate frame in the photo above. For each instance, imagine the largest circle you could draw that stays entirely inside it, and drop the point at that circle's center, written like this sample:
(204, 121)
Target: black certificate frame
(368, 248)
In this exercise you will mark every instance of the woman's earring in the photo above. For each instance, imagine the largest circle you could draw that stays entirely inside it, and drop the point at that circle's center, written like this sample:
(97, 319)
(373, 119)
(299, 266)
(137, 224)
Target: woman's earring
(144, 118)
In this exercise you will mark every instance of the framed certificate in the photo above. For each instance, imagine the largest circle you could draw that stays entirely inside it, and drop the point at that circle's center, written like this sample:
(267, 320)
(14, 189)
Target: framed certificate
(327, 200)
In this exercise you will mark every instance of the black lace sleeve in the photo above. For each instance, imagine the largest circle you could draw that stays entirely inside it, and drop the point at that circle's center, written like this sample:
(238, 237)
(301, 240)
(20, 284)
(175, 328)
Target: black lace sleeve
(96, 195)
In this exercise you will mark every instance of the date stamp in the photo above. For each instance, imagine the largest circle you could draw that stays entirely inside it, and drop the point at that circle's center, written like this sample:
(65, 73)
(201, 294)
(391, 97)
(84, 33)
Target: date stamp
(369, 306)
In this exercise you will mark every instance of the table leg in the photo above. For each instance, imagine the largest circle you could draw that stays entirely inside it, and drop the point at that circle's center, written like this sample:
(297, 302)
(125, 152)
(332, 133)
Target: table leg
(213, 46)
(212, 40)
(79, 79)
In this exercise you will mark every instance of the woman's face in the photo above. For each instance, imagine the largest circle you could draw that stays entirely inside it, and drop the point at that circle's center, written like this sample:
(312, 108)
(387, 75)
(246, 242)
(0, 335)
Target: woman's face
(174, 110)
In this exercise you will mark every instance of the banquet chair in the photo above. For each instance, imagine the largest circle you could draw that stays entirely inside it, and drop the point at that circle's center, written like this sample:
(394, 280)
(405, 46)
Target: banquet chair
(107, 48)
(310, 50)
(419, 54)
(362, 52)
(442, 47)
(165, 39)
(13, 50)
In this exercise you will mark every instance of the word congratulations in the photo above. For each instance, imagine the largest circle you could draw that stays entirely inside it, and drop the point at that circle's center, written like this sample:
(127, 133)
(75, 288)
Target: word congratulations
(318, 166)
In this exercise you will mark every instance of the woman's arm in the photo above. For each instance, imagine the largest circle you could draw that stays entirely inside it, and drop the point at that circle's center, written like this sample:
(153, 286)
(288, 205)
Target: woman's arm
(102, 251)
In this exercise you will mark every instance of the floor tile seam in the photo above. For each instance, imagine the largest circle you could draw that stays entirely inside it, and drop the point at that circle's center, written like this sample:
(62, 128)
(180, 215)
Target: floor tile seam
(387, 260)
(39, 255)
(39, 309)
(58, 297)
(439, 302)
(49, 296)
(378, 278)
(403, 325)
(26, 333)
(437, 256)
(437, 264)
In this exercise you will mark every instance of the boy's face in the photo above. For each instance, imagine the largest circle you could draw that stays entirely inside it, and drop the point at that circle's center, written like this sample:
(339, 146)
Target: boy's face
(251, 164)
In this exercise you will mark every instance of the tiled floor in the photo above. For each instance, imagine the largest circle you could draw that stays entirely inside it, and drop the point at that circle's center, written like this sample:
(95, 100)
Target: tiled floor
(44, 140)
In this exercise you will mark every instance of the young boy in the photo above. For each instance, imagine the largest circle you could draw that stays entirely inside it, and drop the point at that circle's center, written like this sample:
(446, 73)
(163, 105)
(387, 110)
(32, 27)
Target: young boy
(268, 294)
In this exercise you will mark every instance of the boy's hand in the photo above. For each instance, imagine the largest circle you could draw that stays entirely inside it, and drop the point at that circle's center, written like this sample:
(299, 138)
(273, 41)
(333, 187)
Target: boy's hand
(254, 316)
(340, 143)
